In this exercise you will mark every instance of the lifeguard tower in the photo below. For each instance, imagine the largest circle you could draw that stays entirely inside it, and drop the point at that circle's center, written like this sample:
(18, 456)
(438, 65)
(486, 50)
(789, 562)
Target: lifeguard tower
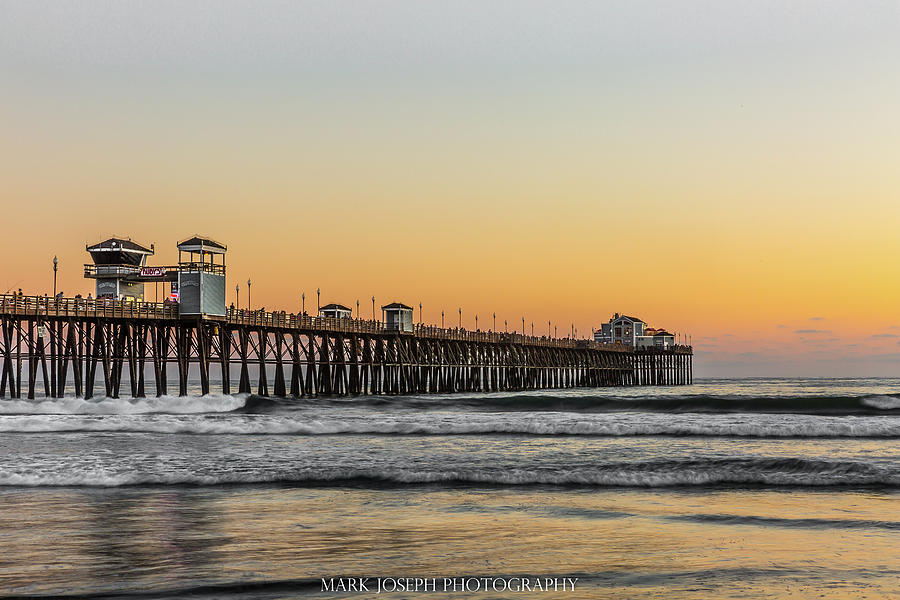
(398, 317)
(117, 267)
(201, 277)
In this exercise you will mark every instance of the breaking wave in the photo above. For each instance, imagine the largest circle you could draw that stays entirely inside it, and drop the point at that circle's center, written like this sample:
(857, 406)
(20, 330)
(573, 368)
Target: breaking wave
(124, 406)
(600, 400)
(882, 402)
(576, 400)
(548, 424)
(673, 473)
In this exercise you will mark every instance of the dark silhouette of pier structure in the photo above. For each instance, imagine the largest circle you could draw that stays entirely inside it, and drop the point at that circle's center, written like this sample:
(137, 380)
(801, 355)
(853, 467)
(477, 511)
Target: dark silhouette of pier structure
(95, 346)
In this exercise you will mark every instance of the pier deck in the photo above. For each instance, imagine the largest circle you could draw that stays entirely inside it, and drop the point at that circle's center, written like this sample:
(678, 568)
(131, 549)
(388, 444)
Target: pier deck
(300, 355)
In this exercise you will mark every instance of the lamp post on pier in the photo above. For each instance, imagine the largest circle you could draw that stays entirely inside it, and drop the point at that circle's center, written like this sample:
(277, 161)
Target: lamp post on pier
(303, 303)
(505, 325)
(318, 300)
(442, 318)
(357, 308)
(548, 328)
(55, 266)
(495, 321)
(476, 322)
(460, 317)
(237, 295)
(373, 308)
(249, 304)
(523, 326)
(421, 322)
(532, 329)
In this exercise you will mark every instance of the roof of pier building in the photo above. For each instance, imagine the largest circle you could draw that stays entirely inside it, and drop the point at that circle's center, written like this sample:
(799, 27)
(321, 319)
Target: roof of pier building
(334, 306)
(396, 305)
(199, 243)
(633, 319)
(119, 244)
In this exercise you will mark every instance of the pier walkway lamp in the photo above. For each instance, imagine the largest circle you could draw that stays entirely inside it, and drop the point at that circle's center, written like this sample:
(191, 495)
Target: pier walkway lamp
(532, 329)
(318, 300)
(55, 267)
(420, 314)
(357, 308)
(237, 295)
(505, 326)
(523, 325)
(476, 322)
(303, 303)
(249, 303)
(373, 308)
(460, 317)
(495, 321)
(548, 328)
(442, 318)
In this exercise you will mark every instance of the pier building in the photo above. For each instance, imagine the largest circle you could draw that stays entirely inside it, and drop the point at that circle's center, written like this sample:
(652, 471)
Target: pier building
(621, 329)
(201, 277)
(398, 317)
(117, 265)
(335, 311)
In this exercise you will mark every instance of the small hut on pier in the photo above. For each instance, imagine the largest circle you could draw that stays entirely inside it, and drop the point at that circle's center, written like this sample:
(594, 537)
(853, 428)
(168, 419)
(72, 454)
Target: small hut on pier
(335, 311)
(397, 317)
(201, 277)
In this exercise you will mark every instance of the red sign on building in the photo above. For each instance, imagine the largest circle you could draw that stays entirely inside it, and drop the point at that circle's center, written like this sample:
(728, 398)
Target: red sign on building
(153, 271)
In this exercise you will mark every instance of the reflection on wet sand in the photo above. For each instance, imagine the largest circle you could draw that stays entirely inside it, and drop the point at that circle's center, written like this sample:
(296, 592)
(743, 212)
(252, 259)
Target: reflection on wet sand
(712, 543)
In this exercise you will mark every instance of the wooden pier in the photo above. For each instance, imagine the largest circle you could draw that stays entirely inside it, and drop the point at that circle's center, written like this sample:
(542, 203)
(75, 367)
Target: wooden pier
(95, 347)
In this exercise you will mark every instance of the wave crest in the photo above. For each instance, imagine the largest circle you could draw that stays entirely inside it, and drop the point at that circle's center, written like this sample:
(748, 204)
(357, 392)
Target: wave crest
(674, 473)
(549, 424)
(882, 402)
(124, 406)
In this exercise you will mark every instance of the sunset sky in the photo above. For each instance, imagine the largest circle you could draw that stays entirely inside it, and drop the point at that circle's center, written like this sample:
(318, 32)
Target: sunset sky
(725, 169)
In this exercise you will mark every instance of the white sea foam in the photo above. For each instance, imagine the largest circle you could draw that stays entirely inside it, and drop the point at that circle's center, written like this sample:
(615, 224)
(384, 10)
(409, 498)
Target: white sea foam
(882, 402)
(461, 424)
(619, 477)
(124, 406)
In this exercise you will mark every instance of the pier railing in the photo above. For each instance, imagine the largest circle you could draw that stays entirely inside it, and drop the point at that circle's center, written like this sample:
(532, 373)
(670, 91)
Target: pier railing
(49, 306)
(133, 309)
(285, 320)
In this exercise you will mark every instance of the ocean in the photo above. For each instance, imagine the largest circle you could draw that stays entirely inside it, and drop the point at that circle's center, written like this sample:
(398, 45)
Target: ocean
(753, 488)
